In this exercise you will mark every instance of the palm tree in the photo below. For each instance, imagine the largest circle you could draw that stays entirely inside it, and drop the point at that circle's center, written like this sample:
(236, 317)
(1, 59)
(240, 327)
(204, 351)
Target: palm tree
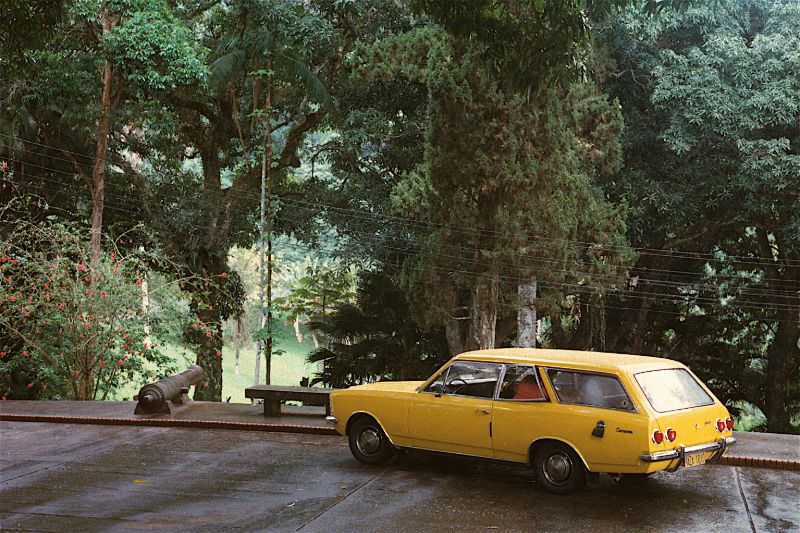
(375, 338)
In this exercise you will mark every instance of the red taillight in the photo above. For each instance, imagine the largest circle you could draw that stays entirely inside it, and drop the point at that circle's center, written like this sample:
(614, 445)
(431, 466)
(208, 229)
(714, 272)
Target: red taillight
(720, 425)
(658, 437)
(672, 435)
(729, 423)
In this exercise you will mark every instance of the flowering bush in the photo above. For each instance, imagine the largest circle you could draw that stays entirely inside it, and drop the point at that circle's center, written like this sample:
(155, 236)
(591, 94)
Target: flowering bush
(69, 328)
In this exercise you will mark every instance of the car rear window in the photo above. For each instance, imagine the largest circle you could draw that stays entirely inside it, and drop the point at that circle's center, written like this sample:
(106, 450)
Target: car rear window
(672, 389)
(594, 390)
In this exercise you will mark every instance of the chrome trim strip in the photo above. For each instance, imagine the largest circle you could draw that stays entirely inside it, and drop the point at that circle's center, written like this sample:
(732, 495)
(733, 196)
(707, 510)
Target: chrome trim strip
(331, 420)
(678, 453)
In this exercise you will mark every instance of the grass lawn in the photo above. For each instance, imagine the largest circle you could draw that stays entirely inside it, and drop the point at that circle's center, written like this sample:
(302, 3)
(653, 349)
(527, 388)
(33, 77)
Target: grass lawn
(287, 369)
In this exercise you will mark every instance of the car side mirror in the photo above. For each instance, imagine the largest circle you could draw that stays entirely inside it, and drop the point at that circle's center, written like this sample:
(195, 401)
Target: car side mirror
(436, 388)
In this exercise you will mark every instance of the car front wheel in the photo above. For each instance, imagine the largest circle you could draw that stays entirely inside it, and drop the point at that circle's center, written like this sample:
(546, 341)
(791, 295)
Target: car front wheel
(559, 469)
(368, 443)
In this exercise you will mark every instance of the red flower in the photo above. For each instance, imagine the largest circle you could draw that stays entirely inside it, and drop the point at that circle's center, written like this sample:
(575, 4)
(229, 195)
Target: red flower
(74, 373)
(87, 292)
(208, 334)
(3, 398)
(61, 306)
(25, 353)
(88, 325)
(2, 354)
(30, 385)
(12, 298)
(102, 363)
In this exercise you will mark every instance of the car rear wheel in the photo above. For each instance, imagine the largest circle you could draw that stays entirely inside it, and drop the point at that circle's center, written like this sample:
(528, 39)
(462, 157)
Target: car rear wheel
(368, 443)
(558, 468)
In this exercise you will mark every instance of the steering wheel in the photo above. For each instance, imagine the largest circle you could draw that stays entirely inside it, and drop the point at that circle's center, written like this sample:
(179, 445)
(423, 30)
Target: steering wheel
(450, 384)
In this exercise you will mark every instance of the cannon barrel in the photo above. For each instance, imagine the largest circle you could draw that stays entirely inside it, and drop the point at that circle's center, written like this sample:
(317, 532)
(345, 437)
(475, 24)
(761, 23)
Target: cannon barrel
(154, 397)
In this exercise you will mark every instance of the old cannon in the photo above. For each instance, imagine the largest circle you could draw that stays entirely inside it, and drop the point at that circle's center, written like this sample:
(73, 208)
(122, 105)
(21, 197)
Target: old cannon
(161, 397)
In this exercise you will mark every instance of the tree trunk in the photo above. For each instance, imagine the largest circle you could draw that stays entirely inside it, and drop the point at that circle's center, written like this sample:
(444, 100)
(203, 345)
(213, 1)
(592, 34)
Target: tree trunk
(268, 176)
(298, 333)
(640, 328)
(101, 152)
(209, 353)
(265, 227)
(146, 310)
(780, 354)
(526, 315)
(454, 335)
(268, 345)
(484, 310)
(783, 350)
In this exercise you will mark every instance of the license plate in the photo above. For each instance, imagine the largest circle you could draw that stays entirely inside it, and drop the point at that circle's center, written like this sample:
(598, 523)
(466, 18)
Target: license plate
(696, 459)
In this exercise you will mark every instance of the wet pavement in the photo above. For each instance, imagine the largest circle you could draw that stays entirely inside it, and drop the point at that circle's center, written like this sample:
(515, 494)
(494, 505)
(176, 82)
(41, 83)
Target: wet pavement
(65, 477)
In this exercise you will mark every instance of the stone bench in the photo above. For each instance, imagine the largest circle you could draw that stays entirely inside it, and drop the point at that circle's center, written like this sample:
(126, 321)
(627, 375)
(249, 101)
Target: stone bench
(273, 395)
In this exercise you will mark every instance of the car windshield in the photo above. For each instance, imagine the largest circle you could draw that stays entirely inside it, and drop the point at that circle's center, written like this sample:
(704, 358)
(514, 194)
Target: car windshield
(672, 389)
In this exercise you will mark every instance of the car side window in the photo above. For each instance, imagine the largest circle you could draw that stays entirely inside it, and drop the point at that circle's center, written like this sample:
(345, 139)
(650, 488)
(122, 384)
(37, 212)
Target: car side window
(522, 383)
(595, 390)
(437, 385)
(471, 378)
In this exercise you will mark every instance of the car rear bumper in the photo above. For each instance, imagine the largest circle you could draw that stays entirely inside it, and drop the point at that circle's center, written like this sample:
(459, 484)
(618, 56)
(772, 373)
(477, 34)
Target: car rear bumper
(678, 453)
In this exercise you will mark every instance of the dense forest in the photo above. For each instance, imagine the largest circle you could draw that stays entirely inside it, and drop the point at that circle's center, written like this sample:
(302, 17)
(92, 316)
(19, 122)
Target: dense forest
(606, 176)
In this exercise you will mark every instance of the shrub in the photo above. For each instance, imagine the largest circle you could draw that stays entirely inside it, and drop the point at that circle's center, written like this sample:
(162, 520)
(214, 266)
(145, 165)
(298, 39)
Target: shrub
(70, 328)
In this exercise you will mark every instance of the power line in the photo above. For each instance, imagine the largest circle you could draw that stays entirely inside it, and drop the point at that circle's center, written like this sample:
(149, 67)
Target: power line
(677, 254)
(575, 288)
(518, 254)
(588, 274)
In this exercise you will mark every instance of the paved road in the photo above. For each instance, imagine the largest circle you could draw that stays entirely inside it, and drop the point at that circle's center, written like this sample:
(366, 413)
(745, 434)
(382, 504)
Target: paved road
(63, 477)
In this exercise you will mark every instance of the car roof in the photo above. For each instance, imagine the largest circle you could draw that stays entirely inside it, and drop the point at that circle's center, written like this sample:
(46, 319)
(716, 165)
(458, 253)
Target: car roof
(597, 361)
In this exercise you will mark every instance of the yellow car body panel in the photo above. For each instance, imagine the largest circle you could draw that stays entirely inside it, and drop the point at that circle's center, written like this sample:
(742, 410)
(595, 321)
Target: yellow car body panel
(506, 429)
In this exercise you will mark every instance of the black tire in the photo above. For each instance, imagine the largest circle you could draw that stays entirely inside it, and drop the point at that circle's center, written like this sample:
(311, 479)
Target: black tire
(559, 469)
(368, 443)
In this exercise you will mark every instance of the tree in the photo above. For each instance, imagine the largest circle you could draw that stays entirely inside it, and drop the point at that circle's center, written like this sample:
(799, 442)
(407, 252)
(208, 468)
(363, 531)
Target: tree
(709, 96)
(489, 156)
(376, 338)
(71, 327)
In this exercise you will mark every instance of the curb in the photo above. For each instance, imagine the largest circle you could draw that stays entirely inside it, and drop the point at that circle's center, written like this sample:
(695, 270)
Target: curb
(759, 462)
(198, 424)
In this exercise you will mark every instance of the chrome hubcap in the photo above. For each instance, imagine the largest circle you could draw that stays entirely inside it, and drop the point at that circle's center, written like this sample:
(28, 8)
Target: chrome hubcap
(368, 441)
(558, 468)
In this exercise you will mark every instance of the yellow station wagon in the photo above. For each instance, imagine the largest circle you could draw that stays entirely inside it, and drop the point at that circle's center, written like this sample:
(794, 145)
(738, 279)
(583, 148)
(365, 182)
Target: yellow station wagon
(569, 414)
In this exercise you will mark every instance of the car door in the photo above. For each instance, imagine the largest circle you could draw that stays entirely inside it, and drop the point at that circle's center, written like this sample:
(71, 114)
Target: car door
(454, 413)
(522, 412)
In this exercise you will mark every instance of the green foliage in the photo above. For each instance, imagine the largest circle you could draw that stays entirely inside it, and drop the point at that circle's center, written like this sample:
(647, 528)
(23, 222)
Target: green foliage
(376, 338)
(526, 43)
(153, 49)
(71, 328)
(506, 179)
(711, 165)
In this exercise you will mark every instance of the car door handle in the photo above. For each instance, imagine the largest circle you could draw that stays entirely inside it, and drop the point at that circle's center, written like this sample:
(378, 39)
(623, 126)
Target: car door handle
(483, 411)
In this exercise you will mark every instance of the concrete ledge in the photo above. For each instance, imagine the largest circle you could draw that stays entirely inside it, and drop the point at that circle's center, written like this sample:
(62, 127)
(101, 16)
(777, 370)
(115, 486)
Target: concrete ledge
(759, 462)
(155, 422)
